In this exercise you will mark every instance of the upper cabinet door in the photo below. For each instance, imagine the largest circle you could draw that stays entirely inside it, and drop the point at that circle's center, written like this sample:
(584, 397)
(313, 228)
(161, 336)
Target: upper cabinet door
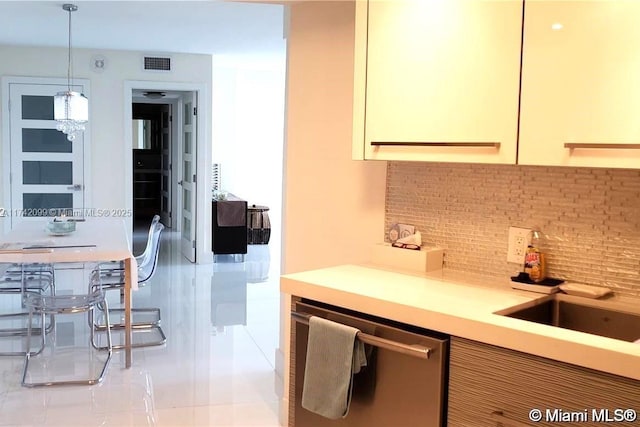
(438, 79)
(581, 84)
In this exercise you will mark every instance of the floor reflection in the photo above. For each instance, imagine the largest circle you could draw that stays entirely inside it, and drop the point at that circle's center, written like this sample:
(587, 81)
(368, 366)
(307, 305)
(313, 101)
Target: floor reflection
(258, 263)
(228, 298)
(229, 285)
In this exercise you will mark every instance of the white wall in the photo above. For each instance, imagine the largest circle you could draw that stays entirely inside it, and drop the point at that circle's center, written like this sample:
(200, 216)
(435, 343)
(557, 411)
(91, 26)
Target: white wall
(248, 130)
(334, 206)
(106, 104)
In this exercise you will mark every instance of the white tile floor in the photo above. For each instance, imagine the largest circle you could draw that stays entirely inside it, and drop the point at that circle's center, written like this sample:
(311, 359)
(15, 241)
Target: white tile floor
(217, 368)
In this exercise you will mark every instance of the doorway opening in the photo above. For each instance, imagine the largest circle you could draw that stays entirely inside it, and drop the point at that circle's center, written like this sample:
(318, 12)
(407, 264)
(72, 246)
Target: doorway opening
(151, 130)
(163, 142)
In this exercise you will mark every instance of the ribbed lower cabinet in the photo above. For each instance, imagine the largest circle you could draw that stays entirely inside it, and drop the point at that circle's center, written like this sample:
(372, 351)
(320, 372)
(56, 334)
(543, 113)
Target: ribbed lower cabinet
(496, 387)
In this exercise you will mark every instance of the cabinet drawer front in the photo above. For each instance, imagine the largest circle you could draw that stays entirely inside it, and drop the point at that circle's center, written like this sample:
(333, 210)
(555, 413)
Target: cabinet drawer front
(490, 385)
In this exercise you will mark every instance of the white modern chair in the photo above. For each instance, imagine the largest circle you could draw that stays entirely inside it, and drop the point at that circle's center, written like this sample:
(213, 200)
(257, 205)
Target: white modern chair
(106, 267)
(113, 279)
(41, 305)
(20, 281)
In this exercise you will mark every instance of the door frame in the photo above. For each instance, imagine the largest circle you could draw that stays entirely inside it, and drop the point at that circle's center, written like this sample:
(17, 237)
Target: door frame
(5, 122)
(187, 246)
(166, 212)
(203, 158)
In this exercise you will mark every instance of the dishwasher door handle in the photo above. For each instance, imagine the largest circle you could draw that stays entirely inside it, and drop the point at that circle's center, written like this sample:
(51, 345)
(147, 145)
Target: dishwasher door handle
(414, 350)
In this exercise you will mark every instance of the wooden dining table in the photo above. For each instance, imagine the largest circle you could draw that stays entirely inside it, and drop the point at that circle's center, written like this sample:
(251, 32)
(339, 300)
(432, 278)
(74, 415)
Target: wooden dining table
(94, 240)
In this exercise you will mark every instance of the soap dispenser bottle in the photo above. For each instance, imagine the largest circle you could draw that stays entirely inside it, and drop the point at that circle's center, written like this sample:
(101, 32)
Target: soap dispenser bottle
(534, 263)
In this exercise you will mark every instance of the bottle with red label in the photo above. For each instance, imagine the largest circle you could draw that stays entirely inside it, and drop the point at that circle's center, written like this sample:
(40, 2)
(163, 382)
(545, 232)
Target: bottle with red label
(534, 259)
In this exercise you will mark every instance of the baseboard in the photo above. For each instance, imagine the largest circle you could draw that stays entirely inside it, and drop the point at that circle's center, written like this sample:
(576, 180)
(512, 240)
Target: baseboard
(279, 386)
(279, 360)
(283, 416)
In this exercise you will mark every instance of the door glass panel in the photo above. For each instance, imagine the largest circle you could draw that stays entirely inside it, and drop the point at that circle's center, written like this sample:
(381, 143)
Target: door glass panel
(186, 200)
(187, 171)
(187, 143)
(40, 204)
(165, 182)
(186, 229)
(37, 107)
(45, 141)
(165, 141)
(187, 113)
(49, 173)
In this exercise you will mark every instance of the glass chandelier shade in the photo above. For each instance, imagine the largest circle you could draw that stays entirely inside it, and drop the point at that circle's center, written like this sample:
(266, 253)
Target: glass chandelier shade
(70, 109)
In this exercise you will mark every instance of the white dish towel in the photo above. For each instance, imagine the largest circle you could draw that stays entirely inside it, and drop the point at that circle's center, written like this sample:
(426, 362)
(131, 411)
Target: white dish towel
(334, 355)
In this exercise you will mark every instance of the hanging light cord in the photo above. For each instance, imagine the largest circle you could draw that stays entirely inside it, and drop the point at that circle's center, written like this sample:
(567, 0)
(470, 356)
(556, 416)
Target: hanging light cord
(69, 67)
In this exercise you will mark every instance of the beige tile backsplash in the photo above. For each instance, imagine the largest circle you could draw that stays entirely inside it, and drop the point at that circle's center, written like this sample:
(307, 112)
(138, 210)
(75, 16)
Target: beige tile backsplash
(590, 217)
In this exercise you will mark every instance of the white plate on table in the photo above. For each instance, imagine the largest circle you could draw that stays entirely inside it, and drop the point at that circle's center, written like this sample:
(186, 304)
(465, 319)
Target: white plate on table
(59, 233)
(60, 228)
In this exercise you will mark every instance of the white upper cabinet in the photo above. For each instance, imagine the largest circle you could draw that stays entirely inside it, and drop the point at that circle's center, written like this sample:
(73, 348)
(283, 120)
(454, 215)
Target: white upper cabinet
(437, 80)
(581, 84)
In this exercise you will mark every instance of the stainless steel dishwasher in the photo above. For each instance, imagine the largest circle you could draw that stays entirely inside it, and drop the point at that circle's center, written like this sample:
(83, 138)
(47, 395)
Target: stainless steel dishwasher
(404, 383)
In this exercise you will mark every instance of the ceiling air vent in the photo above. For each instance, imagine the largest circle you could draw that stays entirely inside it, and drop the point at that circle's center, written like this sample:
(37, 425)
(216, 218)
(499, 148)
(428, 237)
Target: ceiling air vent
(157, 63)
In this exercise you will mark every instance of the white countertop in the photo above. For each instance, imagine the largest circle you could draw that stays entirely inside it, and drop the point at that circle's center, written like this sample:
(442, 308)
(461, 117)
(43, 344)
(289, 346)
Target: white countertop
(453, 306)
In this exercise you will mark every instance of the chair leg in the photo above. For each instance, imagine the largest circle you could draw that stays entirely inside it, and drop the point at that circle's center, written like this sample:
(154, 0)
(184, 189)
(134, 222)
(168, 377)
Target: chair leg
(140, 326)
(162, 340)
(120, 327)
(90, 381)
(28, 353)
(135, 325)
(109, 346)
(107, 328)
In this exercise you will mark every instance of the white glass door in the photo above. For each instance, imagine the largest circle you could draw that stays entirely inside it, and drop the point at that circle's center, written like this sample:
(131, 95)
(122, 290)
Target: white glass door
(188, 178)
(46, 170)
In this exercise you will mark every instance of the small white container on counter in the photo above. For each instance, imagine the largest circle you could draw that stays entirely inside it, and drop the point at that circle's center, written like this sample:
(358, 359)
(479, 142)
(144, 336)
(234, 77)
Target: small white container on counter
(428, 258)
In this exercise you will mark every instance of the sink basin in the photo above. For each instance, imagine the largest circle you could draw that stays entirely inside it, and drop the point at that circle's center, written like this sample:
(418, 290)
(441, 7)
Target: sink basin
(605, 318)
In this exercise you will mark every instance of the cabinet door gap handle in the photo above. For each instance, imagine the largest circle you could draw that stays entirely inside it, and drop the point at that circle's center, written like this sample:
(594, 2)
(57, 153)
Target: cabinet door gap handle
(600, 146)
(437, 144)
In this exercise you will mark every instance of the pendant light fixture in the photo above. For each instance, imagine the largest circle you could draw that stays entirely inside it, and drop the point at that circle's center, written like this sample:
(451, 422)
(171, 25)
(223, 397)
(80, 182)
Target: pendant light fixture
(70, 109)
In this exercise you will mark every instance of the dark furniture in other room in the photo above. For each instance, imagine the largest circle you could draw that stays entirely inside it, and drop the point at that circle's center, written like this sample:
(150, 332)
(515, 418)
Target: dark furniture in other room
(147, 176)
(229, 226)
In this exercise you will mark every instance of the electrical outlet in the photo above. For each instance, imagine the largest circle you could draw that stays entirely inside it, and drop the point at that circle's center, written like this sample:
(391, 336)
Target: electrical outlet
(519, 239)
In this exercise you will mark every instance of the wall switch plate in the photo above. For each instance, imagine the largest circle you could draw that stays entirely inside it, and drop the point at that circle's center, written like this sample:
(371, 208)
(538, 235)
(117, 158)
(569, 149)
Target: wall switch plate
(519, 239)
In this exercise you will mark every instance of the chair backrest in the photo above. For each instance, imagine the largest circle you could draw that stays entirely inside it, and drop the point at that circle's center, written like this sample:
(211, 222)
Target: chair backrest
(147, 266)
(140, 258)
